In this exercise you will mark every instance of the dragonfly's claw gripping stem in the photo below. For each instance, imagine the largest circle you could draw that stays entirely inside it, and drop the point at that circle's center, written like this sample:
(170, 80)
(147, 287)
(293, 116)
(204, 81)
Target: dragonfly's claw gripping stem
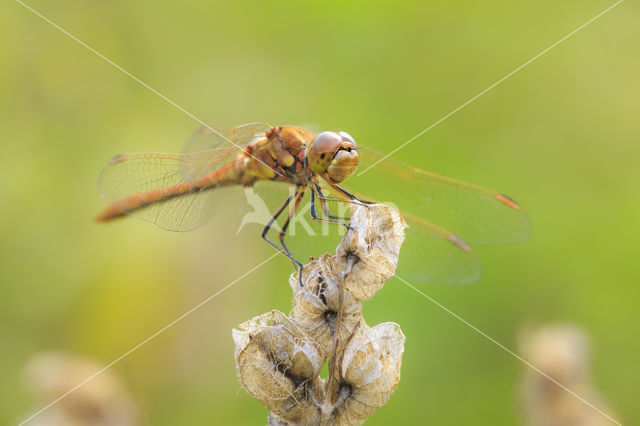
(300, 276)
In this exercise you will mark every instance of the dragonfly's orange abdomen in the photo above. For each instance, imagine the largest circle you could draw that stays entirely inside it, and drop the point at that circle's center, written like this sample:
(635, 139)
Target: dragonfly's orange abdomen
(144, 199)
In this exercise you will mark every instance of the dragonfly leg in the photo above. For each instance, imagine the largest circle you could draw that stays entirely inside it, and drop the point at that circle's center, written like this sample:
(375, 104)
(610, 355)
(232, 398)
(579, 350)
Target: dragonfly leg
(266, 229)
(322, 199)
(350, 198)
(321, 219)
(350, 195)
(298, 197)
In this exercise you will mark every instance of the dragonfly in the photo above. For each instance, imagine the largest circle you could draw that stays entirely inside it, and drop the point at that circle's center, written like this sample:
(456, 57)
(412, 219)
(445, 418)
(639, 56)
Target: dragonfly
(181, 192)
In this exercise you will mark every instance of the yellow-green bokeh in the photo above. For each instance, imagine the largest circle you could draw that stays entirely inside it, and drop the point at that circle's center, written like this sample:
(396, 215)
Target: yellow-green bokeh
(562, 136)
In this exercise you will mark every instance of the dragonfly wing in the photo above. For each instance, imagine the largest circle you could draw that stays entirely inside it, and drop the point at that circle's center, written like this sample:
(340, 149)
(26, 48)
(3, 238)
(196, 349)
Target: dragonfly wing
(210, 146)
(167, 178)
(129, 175)
(429, 253)
(434, 254)
(444, 215)
(477, 215)
(248, 132)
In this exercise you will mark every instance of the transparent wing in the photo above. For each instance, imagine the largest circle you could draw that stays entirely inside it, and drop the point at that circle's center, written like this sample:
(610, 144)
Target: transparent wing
(209, 146)
(434, 254)
(429, 253)
(132, 175)
(444, 216)
(478, 215)
(165, 177)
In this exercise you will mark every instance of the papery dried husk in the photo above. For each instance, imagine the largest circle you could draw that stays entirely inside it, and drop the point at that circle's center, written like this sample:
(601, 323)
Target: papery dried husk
(101, 401)
(279, 358)
(370, 371)
(275, 420)
(562, 351)
(375, 238)
(312, 417)
(277, 363)
(315, 304)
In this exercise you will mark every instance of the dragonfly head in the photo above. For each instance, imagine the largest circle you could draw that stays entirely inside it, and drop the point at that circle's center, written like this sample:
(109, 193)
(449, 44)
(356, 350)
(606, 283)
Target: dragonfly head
(333, 156)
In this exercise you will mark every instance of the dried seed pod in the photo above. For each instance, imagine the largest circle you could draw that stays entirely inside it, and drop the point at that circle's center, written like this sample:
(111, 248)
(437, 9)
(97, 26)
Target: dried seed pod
(562, 351)
(316, 304)
(277, 364)
(311, 417)
(370, 371)
(375, 237)
(279, 358)
(101, 401)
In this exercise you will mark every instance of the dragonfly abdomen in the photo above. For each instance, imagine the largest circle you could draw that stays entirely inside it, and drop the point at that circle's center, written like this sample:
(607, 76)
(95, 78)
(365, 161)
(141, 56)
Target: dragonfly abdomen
(144, 199)
(243, 170)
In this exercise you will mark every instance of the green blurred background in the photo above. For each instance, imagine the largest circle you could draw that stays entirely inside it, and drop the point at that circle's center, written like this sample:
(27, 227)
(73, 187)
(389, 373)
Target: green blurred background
(561, 136)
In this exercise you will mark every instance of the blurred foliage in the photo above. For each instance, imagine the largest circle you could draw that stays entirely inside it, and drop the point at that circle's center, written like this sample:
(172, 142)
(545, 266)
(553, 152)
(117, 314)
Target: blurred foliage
(561, 136)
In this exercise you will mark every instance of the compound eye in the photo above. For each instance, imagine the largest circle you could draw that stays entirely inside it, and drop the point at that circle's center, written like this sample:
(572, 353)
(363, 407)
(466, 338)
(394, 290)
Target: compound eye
(327, 142)
(348, 138)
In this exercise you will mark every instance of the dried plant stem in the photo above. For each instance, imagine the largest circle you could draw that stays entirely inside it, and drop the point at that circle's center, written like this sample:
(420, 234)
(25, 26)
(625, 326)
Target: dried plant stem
(332, 389)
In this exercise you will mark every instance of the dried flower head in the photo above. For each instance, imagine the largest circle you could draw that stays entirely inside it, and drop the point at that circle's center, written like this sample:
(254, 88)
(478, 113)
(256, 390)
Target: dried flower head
(316, 304)
(375, 238)
(101, 401)
(562, 352)
(278, 358)
(370, 371)
(276, 362)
